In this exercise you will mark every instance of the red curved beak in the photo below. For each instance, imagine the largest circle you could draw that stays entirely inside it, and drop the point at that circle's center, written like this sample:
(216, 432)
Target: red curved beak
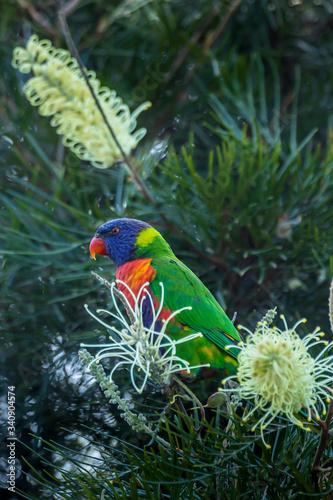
(97, 246)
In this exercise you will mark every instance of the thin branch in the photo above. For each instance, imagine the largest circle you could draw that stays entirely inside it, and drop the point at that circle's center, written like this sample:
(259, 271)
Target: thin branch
(140, 183)
(330, 306)
(188, 47)
(221, 28)
(218, 32)
(194, 397)
(38, 17)
(68, 8)
(324, 436)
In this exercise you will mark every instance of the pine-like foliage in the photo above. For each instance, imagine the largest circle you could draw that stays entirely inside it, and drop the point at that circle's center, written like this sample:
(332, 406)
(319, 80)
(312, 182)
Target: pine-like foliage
(237, 164)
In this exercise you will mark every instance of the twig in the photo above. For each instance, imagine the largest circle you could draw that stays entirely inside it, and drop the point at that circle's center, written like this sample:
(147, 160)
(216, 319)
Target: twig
(218, 32)
(174, 399)
(38, 17)
(186, 50)
(136, 176)
(330, 306)
(194, 397)
(324, 436)
(231, 11)
(68, 8)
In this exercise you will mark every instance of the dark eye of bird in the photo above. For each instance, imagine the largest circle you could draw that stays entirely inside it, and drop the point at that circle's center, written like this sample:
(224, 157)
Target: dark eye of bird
(115, 230)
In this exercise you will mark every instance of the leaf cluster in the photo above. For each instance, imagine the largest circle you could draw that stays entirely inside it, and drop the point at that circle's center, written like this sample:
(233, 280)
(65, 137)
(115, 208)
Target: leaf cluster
(213, 464)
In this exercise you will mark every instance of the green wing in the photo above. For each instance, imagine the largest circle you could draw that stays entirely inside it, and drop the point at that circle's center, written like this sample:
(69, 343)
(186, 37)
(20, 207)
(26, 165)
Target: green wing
(183, 288)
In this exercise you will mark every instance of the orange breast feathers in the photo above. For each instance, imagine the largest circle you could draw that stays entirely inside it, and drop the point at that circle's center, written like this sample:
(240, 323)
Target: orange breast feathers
(135, 274)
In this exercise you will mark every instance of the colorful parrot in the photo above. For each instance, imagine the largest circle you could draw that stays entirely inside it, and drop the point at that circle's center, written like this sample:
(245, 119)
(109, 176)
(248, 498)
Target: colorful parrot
(142, 255)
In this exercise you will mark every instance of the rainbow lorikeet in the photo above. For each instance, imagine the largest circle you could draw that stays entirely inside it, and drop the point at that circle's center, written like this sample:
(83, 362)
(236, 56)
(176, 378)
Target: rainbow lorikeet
(142, 255)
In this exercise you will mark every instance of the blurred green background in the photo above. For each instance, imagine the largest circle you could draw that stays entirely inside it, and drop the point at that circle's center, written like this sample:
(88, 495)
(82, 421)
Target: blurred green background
(238, 158)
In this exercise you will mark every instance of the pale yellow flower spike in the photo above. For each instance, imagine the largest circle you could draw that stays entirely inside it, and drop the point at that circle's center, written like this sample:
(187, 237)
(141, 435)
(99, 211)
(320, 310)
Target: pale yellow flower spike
(59, 90)
(278, 373)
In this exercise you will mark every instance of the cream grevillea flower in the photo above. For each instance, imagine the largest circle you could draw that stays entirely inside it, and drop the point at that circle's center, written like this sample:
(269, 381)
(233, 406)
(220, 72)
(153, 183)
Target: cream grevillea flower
(277, 371)
(59, 89)
(145, 352)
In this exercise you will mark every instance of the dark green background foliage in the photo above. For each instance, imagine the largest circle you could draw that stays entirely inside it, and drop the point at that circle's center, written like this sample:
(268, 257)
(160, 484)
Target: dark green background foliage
(239, 160)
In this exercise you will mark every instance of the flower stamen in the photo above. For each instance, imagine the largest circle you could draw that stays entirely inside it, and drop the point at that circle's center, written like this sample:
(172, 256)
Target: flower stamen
(277, 371)
(140, 348)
